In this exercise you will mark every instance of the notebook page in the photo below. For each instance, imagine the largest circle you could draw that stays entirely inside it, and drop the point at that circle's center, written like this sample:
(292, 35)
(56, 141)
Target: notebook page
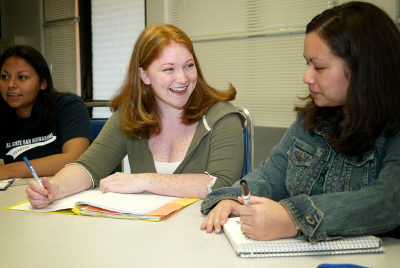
(64, 203)
(237, 238)
(129, 203)
(124, 203)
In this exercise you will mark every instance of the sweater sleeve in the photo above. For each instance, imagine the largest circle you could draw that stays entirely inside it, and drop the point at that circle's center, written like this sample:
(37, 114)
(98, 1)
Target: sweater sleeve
(226, 151)
(106, 152)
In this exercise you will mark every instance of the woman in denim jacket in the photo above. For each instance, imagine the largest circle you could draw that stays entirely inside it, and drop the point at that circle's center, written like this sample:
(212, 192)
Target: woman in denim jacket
(336, 171)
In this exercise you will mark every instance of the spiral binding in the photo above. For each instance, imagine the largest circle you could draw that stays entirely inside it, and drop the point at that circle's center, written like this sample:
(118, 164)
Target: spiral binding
(293, 249)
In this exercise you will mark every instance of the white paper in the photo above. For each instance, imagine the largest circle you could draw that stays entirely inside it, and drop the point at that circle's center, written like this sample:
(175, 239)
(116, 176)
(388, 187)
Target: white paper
(64, 203)
(4, 183)
(125, 203)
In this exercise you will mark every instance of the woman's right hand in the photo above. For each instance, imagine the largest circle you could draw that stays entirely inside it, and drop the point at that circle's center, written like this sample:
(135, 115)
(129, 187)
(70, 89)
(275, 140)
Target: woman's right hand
(218, 216)
(37, 194)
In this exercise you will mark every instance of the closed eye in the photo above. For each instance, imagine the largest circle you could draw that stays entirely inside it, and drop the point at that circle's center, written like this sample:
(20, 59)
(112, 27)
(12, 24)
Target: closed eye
(316, 68)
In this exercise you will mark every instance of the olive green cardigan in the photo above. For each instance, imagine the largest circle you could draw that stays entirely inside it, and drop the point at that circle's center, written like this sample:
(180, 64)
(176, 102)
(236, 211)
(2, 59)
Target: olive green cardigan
(216, 148)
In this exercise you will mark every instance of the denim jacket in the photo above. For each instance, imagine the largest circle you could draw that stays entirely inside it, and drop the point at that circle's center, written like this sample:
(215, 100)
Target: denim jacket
(361, 196)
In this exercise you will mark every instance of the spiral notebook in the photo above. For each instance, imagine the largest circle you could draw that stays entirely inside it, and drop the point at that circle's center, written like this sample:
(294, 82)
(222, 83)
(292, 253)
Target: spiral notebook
(297, 246)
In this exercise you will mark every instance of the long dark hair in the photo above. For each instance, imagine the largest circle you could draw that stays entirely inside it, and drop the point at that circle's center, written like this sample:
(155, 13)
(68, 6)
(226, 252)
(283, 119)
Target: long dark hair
(44, 110)
(368, 41)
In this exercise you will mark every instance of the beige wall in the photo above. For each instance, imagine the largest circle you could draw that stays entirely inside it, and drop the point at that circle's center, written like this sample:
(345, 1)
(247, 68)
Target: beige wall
(157, 11)
(387, 5)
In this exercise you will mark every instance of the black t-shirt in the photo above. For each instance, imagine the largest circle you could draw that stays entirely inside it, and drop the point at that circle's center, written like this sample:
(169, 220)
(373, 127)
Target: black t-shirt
(72, 122)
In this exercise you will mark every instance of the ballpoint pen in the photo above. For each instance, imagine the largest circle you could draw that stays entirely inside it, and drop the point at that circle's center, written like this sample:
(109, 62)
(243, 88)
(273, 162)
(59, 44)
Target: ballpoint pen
(33, 172)
(245, 192)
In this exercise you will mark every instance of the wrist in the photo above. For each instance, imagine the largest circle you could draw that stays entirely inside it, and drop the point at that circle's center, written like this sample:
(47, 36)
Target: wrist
(143, 182)
(55, 189)
(291, 227)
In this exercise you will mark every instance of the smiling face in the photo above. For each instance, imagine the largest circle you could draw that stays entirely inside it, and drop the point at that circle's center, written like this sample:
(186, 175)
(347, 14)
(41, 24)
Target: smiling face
(172, 76)
(20, 85)
(326, 74)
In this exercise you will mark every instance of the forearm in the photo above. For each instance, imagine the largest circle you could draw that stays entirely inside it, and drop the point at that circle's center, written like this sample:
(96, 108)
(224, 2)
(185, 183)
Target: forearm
(216, 196)
(259, 185)
(70, 180)
(259, 182)
(49, 165)
(46, 166)
(14, 170)
(181, 185)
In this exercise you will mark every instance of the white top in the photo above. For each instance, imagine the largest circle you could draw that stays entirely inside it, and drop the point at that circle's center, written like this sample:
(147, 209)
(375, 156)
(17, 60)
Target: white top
(166, 168)
(169, 168)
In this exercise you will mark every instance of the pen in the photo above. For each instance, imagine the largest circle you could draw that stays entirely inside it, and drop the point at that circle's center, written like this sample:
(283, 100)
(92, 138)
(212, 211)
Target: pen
(33, 172)
(245, 192)
(325, 265)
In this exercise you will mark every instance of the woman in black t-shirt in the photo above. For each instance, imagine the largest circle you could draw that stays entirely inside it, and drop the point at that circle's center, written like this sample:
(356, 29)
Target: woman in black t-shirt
(52, 129)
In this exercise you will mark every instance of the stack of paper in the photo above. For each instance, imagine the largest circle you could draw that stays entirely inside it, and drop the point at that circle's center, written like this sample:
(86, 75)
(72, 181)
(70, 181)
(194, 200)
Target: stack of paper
(144, 206)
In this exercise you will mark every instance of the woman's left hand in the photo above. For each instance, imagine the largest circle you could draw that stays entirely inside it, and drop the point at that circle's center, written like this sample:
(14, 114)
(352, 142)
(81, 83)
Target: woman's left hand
(266, 219)
(122, 183)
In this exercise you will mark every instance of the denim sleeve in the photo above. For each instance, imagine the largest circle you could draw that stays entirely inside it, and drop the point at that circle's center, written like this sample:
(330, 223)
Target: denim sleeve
(372, 210)
(266, 181)
(212, 199)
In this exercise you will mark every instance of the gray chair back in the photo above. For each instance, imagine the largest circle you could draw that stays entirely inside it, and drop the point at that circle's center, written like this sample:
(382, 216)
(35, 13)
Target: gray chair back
(248, 139)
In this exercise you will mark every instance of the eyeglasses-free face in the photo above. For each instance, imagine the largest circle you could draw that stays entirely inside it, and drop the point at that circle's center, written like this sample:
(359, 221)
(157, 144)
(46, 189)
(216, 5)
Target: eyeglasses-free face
(20, 85)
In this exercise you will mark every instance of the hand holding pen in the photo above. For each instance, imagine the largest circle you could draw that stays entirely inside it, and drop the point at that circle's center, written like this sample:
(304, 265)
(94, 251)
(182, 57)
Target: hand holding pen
(33, 172)
(245, 192)
(266, 219)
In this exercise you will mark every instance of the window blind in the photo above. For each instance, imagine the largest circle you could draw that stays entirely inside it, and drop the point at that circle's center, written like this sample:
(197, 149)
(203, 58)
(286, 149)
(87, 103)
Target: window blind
(115, 28)
(255, 45)
(61, 44)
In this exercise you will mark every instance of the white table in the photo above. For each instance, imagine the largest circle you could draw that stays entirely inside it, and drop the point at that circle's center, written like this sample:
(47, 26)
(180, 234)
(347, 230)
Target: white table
(31, 239)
